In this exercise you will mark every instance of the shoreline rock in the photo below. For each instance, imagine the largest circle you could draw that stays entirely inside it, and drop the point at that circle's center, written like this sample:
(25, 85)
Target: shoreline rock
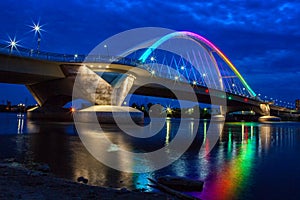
(19, 182)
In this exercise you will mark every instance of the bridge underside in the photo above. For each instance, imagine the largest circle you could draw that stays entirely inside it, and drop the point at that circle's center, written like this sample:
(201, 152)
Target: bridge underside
(235, 104)
(54, 92)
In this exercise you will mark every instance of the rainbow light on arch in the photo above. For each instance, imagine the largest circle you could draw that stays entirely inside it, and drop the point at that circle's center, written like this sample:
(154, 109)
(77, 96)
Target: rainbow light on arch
(197, 38)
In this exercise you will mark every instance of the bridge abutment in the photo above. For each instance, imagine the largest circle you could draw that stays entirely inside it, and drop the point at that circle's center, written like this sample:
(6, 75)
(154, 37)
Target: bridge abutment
(88, 85)
(266, 112)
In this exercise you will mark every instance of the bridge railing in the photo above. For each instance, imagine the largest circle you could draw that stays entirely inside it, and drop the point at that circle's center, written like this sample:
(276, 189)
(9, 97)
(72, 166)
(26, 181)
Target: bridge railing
(71, 58)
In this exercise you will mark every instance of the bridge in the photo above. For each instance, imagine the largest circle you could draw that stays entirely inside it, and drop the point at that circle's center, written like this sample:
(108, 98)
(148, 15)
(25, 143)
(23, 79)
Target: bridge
(50, 77)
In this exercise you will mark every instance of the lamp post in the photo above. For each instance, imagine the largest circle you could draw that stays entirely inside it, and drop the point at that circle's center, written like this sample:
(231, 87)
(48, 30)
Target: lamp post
(106, 47)
(37, 28)
(38, 41)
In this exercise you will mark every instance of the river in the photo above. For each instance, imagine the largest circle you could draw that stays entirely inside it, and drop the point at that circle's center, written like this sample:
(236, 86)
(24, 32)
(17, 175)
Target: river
(250, 160)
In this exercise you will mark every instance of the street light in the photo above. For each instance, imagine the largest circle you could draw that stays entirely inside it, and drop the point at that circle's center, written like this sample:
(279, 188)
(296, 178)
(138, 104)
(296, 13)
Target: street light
(13, 43)
(106, 47)
(37, 28)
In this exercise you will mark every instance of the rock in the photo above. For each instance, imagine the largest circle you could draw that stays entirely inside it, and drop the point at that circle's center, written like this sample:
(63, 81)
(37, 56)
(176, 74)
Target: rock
(181, 183)
(82, 179)
(43, 168)
(123, 191)
(34, 173)
(9, 160)
(15, 165)
(139, 190)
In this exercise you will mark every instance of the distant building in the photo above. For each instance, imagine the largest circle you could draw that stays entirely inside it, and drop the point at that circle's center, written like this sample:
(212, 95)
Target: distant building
(8, 105)
(298, 104)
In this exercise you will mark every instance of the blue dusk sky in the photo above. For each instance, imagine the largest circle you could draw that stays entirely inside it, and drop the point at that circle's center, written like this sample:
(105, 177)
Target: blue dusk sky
(262, 38)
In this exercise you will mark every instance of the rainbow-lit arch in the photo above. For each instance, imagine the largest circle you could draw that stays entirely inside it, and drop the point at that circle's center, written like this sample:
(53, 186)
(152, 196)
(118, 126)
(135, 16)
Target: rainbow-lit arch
(200, 40)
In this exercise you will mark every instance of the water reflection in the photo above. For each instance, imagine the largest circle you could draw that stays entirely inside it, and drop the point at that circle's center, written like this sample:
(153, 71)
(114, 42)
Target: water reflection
(265, 136)
(229, 168)
(234, 159)
(20, 118)
(168, 131)
(67, 156)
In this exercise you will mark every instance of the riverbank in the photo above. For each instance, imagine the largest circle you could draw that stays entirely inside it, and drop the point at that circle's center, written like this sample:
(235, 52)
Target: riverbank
(19, 181)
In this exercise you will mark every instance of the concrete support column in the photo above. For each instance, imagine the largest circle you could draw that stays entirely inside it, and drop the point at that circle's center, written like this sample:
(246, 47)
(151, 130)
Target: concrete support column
(92, 87)
(122, 88)
(265, 109)
(266, 112)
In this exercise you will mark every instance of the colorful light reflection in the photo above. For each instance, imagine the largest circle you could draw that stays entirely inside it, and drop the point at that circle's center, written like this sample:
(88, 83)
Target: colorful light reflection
(231, 177)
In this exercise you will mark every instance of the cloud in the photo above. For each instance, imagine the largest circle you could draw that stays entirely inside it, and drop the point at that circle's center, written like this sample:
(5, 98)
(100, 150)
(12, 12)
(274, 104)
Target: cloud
(260, 37)
(283, 86)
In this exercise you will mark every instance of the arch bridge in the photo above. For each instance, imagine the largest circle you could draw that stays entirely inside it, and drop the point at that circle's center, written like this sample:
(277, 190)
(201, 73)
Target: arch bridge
(50, 76)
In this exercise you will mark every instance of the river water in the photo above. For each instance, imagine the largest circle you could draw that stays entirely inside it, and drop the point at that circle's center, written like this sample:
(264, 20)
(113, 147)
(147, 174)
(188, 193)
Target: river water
(249, 160)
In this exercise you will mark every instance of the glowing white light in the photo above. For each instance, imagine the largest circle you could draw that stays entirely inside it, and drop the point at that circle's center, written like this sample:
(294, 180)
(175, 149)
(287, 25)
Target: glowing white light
(12, 43)
(176, 77)
(204, 75)
(182, 67)
(194, 82)
(233, 84)
(105, 46)
(76, 55)
(244, 88)
(125, 103)
(152, 72)
(37, 28)
(106, 66)
(169, 110)
(152, 58)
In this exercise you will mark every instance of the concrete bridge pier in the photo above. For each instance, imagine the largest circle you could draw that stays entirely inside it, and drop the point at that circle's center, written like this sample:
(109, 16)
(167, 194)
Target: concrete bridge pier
(51, 96)
(51, 113)
(266, 112)
(107, 97)
(84, 84)
(218, 114)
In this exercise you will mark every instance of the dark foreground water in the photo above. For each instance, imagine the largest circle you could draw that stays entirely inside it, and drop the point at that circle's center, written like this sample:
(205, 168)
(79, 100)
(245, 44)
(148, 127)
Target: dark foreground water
(249, 160)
